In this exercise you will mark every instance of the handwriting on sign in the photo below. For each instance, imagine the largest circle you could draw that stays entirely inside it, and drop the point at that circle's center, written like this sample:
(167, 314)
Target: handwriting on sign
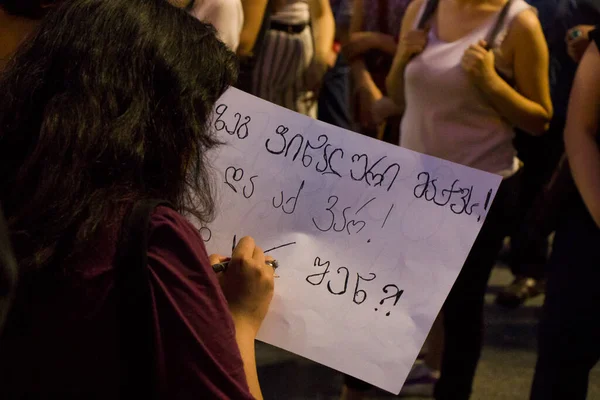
(344, 223)
(338, 285)
(458, 199)
(234, 177)
(390, 227)
(205, 233)
(328, 159)
(350, 226)
(375, 174)
(240, 129)
(285, 205)
(301, 145)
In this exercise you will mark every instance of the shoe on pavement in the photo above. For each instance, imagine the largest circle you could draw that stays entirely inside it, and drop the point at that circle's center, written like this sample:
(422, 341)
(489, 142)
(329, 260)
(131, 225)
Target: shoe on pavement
(421, 382)
(522, 289)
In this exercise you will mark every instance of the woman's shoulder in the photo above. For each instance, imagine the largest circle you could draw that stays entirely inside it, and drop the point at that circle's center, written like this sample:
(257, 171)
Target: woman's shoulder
(525, 17)
(413, 12)
(164, 214)
(521, 26)
(415, 6)
(171, 233)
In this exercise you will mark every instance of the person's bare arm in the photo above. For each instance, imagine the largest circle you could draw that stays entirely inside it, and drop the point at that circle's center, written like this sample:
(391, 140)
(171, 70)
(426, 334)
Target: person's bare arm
(254, 11)
(361, 42)
(581, 132)
(405, 51)
(323, 26)
(529, 106)
(386, 43)
(245, 339)
(359, 73)
(248, 287)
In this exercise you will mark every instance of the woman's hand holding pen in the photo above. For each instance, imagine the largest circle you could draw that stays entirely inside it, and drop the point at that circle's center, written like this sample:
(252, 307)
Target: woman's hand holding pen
(247, 284)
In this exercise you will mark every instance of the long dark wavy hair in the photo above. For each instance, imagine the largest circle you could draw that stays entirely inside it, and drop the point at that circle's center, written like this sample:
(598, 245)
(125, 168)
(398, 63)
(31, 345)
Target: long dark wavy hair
(108, 103)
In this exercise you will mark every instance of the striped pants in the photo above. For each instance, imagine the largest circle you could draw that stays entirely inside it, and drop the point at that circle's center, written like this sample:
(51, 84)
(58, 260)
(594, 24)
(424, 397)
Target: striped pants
(280, 72)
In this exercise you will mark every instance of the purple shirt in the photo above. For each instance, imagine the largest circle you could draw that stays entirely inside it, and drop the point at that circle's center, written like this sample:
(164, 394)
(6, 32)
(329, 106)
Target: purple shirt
(62, 339)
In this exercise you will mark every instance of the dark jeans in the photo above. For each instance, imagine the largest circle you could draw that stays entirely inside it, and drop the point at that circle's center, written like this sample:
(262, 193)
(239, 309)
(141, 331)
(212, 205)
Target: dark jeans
(463, 309)
(528, 258)
(334, 98)
(569, 331)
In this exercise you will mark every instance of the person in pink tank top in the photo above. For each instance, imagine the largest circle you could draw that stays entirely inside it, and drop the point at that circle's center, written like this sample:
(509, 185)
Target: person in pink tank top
(464, 76)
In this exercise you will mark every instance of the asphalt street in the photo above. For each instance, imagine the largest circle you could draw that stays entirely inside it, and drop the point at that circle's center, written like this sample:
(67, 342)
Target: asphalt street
(505, 371)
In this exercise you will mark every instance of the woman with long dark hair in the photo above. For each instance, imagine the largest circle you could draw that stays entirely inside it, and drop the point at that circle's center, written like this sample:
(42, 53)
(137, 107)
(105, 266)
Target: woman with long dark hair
(106, 105)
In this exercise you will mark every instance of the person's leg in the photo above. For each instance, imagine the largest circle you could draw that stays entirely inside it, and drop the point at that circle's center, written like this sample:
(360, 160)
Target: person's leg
(425, 372)
(463, 320)
(525, 256)
(528, 256)
(463, 309)
(569, 330)
(334, 98)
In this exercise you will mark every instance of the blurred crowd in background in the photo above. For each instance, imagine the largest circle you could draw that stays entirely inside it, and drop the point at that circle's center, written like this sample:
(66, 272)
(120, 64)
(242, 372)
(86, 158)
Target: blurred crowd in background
(505, 86)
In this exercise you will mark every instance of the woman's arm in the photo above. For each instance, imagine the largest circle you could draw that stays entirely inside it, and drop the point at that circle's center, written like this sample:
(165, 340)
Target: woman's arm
(323, 26)
(208, 321)
(323, 29)
(528, 106)
(248, 287)
(361, 42)
(363, 83)
(411, 43)
(360, 76)
(581, 132)
(254, 11)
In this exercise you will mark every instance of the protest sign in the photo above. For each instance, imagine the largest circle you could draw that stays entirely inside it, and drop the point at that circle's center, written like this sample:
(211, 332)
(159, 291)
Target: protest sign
(369, 237)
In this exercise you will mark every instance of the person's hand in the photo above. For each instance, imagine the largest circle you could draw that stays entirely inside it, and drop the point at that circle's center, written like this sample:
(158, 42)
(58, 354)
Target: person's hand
(247, 283)
(382, 109)
(478, 63)
(413, 43)
(360, 43)
(316, 72)
(368, 95)
(577, 40)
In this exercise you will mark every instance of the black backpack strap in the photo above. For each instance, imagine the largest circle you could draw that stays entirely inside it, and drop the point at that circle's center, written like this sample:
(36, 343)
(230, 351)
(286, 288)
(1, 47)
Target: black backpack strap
(498, 25)
(139, 378)
(430, 8)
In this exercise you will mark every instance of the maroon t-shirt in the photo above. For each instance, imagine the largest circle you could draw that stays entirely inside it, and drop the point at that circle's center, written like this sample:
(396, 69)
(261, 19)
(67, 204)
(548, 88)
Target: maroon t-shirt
(62, 334)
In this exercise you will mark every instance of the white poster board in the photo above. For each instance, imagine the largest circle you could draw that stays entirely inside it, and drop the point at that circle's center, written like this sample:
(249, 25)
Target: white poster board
(370, 237)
